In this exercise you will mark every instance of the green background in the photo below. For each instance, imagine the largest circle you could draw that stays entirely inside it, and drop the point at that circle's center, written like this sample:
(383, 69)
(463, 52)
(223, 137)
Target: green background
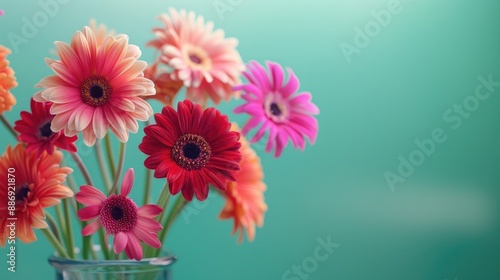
(441, 223)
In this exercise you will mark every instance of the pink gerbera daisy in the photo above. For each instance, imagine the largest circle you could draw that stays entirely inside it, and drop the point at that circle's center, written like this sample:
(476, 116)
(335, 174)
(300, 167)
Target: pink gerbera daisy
(97, 88)
(202, 58)
(120, 217)
(192, 148)
(275, 105)
(34, 130)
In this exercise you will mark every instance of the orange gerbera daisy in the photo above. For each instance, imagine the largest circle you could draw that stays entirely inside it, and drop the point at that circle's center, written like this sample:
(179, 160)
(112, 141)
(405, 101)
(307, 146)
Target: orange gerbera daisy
(34, 183)
(166, 88)
(245, 197)
(7, 82)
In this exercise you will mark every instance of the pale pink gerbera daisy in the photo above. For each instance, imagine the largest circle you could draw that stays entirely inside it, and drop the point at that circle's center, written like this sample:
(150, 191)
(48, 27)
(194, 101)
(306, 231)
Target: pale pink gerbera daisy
(275, 105)
(96, 88)
(120, 217)
(202, 58)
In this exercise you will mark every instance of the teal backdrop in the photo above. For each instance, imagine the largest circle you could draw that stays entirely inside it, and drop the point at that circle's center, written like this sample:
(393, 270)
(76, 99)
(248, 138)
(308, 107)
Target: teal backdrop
(396, 83)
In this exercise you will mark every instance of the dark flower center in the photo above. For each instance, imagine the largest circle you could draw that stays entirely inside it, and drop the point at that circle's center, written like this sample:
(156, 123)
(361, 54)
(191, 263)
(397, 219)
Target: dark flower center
(275, 109)
(45, 130)
(195, 59)
(191, 151)
(95, 91)
(22, 193)
(118, 214)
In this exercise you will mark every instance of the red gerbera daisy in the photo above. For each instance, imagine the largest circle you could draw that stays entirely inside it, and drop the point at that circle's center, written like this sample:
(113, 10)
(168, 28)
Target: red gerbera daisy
(34, 130)
(192, 148)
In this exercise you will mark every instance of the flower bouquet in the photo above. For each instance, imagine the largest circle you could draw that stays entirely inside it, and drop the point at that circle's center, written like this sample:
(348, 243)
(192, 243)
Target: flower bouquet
(100, 90)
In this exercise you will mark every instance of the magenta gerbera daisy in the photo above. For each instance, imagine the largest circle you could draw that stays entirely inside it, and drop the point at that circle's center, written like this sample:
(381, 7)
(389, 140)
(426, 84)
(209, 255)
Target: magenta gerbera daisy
(201, 57)
(192, 148)
(97, 88)
(277, 108)
(120, 217)
(34, 130)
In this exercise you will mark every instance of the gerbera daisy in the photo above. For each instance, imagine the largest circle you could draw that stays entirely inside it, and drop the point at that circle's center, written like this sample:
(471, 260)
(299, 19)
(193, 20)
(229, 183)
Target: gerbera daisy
(206, 61)
(120, 217)
(34, 130)
(7, 82)
(274, 104)
(245, 197)
(166, 88)
(192, 148)
(96, 88)
(38, 182)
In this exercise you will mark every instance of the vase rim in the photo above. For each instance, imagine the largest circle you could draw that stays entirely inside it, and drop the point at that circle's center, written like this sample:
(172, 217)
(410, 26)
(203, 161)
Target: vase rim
(166, 260)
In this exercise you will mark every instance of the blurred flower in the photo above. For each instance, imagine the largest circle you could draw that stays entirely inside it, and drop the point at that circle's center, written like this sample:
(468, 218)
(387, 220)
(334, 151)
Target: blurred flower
(100, 31)
(203, 59)
(97, 88)
(245, 197)
(34, 130)
(192, 148)
(7, 82)
(119, 216)
(274, 104)
(166, 88)
(38, 184)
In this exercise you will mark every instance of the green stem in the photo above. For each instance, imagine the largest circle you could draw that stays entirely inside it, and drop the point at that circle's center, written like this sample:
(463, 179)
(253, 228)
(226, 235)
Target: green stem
(60, 218)
(163, 203)
(102, 165)
(83, 168)
(72, 185)
(119, 169)
(104, 248)
(8, 126)
(148, 179)
(149, 173)
(57, 245)
(111, 158)
(69, 230)
(176, 210)
(62, 225)
(53, 225)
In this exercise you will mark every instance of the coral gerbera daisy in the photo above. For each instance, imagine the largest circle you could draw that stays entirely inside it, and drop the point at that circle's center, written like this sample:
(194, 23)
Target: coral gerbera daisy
(202, 58)
(34, 130)
(166, 88)
(97, 88)
(245, 197)
(192, 148)
(274, 104)
(7, 82)
(35, 182)
(120, 217)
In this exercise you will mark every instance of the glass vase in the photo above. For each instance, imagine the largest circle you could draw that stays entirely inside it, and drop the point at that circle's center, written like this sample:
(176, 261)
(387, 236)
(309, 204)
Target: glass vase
(146, 269)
